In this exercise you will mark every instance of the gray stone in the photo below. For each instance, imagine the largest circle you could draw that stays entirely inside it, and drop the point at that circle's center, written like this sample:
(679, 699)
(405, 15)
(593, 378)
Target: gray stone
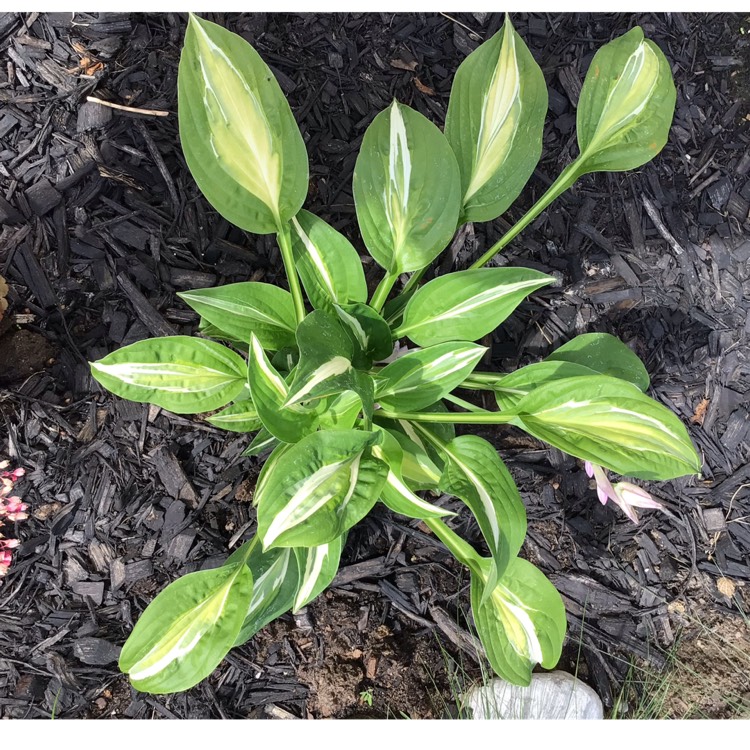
(551, 695)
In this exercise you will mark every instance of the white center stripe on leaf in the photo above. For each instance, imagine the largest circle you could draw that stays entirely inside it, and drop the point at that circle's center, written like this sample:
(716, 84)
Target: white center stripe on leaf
(632, 92)
(396, 194)
(332, 368)
(531, 649)
(432, 370)
(240, 134)
(317, 259)
(183, 636)
(309, 496)
(500, 114)
(240, 309)
(472, 303)
(484, 496)
(356, 327)
(270, 581)
(149, 375)
(273, 379)
(353, 476)
(315, 559)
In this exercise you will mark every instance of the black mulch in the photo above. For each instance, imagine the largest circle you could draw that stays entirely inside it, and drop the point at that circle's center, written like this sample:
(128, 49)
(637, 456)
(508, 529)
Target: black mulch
(102, 225)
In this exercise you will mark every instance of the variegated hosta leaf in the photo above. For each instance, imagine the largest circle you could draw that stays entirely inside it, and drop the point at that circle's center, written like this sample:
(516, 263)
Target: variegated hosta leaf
(276, 575)
(370, 335)
(605, 354)
(183, 374)
(325, 358)
(406, 190)
(241, 416)
(339, 412)
(270, 393)
(319, 488)
(318, 567)
(209, 330)
(245, 308)
(417, 467)
(587, 354)
(422, 377)
(325, 363)
(609, 422)
(187, 630)
(466, 305)
(396, 494)
(494, 123)
(475, 473)
(509, 390)
(327, 263)
(521, 623)
(626, 105)
(264, 441)
(238, 134)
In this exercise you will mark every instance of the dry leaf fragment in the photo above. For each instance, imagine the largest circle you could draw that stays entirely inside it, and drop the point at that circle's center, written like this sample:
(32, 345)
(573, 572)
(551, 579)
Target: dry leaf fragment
(403, 65)
(726, 587)
(424, 89)
(700, 412)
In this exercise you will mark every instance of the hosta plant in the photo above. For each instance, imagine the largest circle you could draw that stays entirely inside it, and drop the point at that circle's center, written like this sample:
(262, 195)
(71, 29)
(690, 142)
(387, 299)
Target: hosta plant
(356, 400)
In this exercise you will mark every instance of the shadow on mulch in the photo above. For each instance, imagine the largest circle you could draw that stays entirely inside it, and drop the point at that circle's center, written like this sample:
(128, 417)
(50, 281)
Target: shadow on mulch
(102, 225)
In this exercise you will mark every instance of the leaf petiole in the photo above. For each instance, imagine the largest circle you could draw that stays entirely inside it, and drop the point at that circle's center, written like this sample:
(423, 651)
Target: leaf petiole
(490, 417)
(566, 179)
(381, 293)
(285, 245)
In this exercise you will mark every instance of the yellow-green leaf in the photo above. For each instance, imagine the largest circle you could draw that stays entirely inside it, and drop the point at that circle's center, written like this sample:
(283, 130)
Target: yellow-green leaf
(238, 134)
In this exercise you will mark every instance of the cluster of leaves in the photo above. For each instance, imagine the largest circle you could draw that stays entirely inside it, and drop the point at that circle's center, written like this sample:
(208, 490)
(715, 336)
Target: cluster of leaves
(350, 415)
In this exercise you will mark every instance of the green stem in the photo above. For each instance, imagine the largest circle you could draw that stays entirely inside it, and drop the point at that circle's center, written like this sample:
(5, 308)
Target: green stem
(285, 245)
(465, 404)
(414, 280)
(383, 290)
(490, 417)
(458, 547)
(567, 177)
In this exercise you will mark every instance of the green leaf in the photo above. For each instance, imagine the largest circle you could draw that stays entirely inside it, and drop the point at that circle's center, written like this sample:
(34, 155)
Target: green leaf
(370, 335)
(393, 310)
(248, 307)
(417, 468)
(494, 123)
(626, 105)
(509, 390)
(609, 422)
(238, 134)
(320, 488)
(183, 374)
(605, 354)
(522, 622)
(396, 494)
(406, 190)
(325, 362)
(277, 577)
(209, 330)
(241, 416)
(339, 412)
(270, 392)
(327, 263)
(422, 377)
(318, 567)
(262, 442)
(475, 474)
(187, 630)
(466, 305)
